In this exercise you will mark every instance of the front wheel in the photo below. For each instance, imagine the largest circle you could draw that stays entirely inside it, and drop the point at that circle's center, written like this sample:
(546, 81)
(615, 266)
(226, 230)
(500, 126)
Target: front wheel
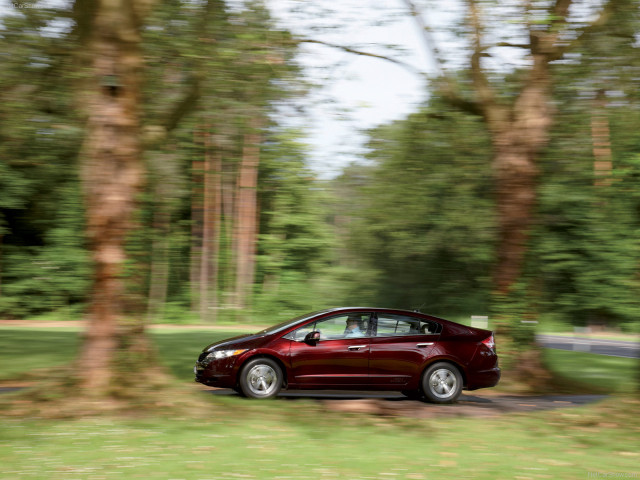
(261, 378)
(442, 383)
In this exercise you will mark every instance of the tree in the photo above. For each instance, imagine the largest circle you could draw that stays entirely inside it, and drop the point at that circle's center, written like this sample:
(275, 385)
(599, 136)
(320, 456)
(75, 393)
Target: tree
(112, 173)
(518, 118)
(519, 127)
(295, 241)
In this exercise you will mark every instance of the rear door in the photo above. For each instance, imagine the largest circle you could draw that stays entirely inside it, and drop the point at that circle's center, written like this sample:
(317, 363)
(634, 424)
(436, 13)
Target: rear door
(400, 346)
(339, 359)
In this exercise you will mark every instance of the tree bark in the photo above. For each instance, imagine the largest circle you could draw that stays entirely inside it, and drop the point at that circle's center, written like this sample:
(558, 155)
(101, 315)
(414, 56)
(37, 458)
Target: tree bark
(246, 228)
(517, 143)
(601, 139)
(518, 132)
(210, 231)
(197, 214)
(112, 174)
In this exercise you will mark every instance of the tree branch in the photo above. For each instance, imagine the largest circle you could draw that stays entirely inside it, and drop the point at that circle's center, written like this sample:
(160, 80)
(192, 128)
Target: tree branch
(602, 19)
(344, 48)
(486, 95)
(155, 134)
(427, 37)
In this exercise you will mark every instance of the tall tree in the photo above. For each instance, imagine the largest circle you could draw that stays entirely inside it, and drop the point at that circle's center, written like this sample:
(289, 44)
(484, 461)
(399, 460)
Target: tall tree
(112, 171)
(519, 120)
(246, 217)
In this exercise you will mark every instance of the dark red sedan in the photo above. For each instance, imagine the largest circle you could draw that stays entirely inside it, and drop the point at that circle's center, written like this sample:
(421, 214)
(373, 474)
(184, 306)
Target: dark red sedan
(355, 349)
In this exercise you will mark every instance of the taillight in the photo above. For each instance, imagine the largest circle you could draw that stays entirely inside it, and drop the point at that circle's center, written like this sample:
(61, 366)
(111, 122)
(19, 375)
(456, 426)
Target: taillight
(490, 342)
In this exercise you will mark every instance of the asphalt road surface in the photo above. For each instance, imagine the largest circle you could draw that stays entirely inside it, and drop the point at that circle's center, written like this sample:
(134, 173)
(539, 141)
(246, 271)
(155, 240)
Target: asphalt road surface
(612, 348)
(471, 404)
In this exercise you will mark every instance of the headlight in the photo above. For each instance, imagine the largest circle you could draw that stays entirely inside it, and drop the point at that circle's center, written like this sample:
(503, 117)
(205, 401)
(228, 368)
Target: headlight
(218, 354)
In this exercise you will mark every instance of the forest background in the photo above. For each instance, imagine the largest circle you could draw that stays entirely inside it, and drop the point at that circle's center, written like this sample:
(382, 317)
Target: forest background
(510, 192)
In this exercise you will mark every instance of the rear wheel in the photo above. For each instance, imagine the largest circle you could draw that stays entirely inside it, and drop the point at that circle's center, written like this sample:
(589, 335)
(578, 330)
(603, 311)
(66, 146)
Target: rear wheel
(442, 383)
(261, 378)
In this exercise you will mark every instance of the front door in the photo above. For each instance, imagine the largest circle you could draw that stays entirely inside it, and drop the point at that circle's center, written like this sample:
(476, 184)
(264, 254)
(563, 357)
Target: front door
(339, 359)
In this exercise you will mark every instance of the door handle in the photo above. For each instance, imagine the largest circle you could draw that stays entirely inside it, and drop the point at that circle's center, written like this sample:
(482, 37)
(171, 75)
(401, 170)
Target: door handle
(421, 345)
(356, 347)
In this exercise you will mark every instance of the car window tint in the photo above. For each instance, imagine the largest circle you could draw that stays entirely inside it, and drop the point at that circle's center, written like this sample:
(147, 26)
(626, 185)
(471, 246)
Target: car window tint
(335, 328)
(428, 327)
(302, 332)
(402, 325)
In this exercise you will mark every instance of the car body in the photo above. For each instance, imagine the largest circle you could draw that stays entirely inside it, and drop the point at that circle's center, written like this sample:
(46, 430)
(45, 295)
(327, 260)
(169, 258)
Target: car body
(355, 348)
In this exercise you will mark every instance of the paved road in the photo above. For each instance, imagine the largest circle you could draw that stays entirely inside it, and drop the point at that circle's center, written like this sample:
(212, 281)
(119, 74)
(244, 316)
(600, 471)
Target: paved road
(612, 348)
(470, 404)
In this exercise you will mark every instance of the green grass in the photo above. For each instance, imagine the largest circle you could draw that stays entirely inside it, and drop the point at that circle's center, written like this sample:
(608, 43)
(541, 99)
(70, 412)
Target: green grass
(179, 350)
(291, 440)
(598, 372)
(300, 439)
(26, 350)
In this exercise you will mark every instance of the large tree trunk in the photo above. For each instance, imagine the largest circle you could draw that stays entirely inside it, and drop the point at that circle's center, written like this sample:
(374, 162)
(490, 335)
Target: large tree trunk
(601, 139)
(197, 213)
(246, 227)
(112, 176)
(518, 132)
(210, 250)
(517, 142)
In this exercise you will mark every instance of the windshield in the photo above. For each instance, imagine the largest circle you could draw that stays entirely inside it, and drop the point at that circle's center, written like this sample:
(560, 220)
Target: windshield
(289, 323)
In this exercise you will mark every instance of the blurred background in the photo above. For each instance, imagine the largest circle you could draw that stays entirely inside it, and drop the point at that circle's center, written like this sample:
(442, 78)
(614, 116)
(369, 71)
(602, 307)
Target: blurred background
(462, 159)
(228, 164)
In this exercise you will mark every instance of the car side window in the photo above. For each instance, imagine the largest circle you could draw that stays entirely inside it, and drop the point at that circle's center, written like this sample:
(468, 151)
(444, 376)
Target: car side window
(428, 327)
(299, 334)
(402, 325)
(336, 328)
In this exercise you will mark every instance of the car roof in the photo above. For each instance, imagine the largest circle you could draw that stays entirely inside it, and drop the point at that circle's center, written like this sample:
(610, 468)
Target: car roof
(382, 309)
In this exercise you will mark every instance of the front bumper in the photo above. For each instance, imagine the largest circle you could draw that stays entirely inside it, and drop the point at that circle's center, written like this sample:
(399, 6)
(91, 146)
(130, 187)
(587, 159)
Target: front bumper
(217, 373)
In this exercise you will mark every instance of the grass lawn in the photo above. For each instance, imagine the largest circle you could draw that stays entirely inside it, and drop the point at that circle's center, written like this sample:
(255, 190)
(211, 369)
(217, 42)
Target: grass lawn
(299, 439)
(295, 440)
(599, 372)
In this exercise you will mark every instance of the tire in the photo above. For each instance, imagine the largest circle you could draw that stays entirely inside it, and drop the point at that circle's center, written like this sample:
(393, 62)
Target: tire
(442, 383)
(261, 378)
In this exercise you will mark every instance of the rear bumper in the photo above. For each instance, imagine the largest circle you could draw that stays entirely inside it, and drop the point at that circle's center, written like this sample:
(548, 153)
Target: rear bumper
(484, 379)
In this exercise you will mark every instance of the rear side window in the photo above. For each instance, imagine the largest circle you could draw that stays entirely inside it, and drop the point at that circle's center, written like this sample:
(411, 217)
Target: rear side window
(402, 325)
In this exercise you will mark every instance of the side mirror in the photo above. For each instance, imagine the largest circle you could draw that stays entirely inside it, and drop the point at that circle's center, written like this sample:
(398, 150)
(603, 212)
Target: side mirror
(312, 338)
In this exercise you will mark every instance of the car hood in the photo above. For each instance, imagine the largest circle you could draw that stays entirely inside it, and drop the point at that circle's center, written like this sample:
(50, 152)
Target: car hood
(242, 341)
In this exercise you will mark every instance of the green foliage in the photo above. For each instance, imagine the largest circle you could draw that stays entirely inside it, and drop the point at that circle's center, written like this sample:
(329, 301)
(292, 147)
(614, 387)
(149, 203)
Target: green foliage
(296, 242)
(414, 227)
(585, 249)
(296, 237)
(208, 67)
(44, 261)
(422, 217)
